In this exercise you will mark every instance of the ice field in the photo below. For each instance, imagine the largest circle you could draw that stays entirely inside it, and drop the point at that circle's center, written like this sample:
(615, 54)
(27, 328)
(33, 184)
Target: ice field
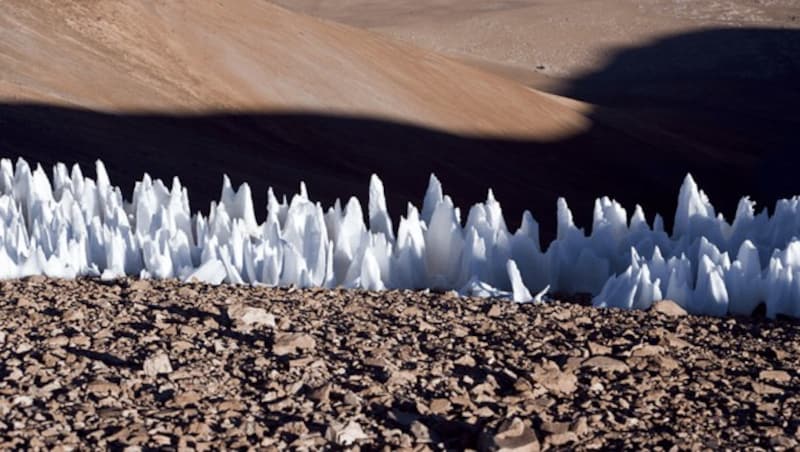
(72, 225)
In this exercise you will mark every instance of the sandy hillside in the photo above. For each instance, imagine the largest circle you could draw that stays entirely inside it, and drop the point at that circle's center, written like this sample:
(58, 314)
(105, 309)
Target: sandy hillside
(273, 97)
(543, 42)
(718, 73)
(252, 55)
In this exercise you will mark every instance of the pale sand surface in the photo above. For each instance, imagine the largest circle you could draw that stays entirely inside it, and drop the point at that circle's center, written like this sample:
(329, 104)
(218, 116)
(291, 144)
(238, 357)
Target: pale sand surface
(535, 41)
(251, 55)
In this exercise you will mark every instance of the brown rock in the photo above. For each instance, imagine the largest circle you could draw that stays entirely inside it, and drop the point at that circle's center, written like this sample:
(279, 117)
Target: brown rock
(668, 308)
(555, 427)
(102, 388)
(465, 360)
(249, 317)
(157, 364)
(495, 311)
(58, 341)
(553, 379)
(667, 363)
(288, 343)
(671, 340)
(421, 432)
(605, 363)
(780, 376)
(646, 350)
(513, 435)
(562, 438)
(321, 394)
(401, 377)
(74, 315)
(139, 285)
(345, 434)
(187, 293)
(580, 426)
(80, 341)
(765, 389)
(439, 406)
(598, 349)
(187, 398)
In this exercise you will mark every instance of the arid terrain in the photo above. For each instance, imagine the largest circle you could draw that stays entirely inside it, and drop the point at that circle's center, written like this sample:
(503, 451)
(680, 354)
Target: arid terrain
(160, 364)
(716, 75)
(535, 99)
(273, 97)
(545, 43)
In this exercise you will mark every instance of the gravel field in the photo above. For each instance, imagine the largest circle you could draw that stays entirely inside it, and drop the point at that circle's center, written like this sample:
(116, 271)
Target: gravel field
(154, 364)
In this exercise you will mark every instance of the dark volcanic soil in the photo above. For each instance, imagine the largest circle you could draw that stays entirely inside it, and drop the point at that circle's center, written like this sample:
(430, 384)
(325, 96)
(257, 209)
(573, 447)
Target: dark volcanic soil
(157, 364)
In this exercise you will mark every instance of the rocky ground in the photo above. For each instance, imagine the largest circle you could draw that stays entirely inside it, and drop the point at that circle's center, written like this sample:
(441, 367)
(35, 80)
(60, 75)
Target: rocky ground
(145, 364)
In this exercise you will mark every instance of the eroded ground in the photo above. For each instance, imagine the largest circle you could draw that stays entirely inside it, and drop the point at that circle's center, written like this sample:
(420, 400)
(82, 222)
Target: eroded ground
(157, 364)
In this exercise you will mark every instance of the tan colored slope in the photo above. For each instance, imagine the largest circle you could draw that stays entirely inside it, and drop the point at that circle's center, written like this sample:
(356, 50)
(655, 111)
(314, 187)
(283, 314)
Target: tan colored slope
(200, 88)
(204, 55)
(542, 42)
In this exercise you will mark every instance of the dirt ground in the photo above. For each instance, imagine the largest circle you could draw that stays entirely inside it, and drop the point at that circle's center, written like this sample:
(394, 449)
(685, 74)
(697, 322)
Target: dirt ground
(93, 364)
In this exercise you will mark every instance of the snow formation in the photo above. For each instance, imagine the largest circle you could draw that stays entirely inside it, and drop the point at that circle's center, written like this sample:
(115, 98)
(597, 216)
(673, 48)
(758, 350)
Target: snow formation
(77, 226)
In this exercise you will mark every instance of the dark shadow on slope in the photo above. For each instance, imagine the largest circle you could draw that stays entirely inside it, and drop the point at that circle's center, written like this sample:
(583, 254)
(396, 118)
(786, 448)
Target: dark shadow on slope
(730, 93)
(720, 104)
(335, 156)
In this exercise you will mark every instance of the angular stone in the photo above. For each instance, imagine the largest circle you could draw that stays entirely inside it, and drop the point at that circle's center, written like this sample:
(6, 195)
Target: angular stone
(157, 364)
(553, 379)
(288, 343)
(606, 364)
(251, 317)
(187, 398)
(421, 432)
(102, 388)
(345, 434)
(139, 284)
(562, 438)
(495, 311)
(668, 308)
(580, 426)
(598, 349)
(439, 406)
(465, 360)
(646, 350)
(765, 389)
(555, 427)
(321, 394)
(513, 435)
(780, 376)
(57, 341)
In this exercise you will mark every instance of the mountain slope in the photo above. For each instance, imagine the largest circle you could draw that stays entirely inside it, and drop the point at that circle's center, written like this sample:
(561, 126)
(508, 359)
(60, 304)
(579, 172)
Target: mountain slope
(271, 97)
(201, 55)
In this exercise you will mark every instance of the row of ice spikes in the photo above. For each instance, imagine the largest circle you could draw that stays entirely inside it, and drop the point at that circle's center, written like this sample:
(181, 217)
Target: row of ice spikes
(80, 226)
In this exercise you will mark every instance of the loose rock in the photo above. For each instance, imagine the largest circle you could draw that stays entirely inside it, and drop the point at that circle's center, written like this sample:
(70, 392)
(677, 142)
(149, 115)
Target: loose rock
(289, 343)
(669, 308)
(249, 316)
(83, 367)
(514, 435)
(157, 364)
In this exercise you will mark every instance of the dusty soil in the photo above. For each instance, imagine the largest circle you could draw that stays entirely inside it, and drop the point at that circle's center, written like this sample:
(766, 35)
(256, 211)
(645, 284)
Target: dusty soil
(273, 97)
(202, 56)
(716, 74)
(157, 364)
(545, 42)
